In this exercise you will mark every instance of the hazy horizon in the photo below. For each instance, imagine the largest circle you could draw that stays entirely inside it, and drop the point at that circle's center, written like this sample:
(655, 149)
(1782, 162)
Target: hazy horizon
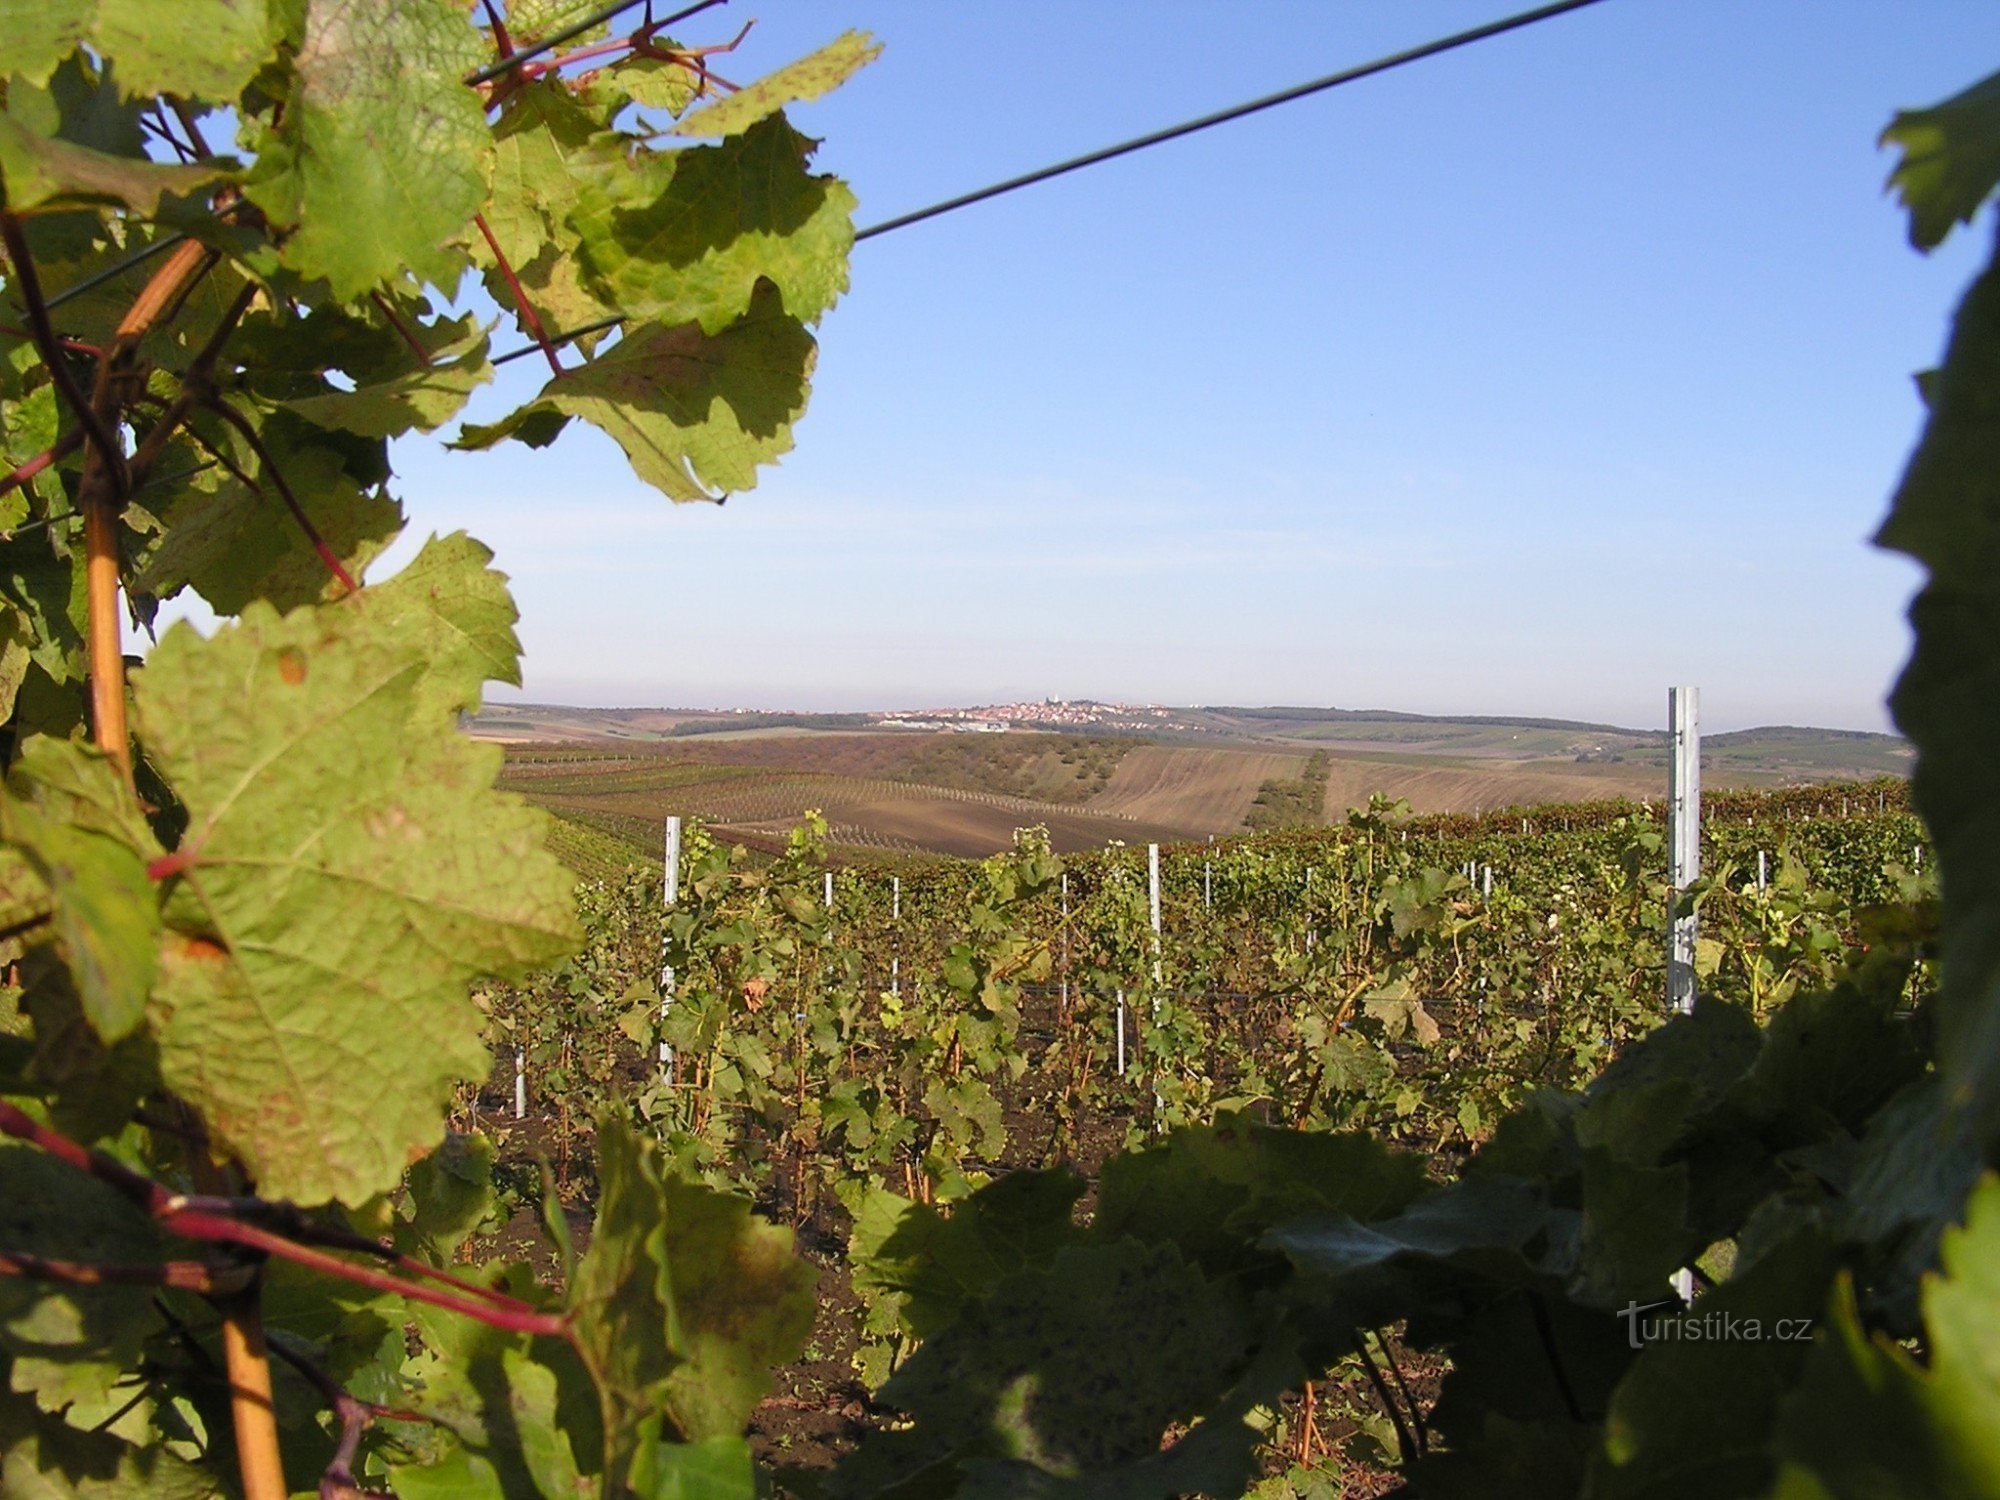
(505, 697)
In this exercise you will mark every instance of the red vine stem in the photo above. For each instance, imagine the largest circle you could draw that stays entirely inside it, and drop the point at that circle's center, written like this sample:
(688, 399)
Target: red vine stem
(75, 346)
(389, 312)
(521, 302)
(251, 436)
(217, 1220)
(65, 445)
(186, 1275)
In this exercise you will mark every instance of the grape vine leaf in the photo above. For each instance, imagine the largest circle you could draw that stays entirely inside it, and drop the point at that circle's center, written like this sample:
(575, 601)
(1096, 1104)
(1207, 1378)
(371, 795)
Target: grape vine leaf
(718, 1468)
(691, 411)
(234, 544)
(1479, 1222)
(1867, 1422)
(742, 1303)
(1946, 514)
(105, 912)
(1951, 160)
(35, 35)
(681, 1303)
(1695, 1414)
(689, 236)
(425, 397)
(456, 610)
(939, 1263)
(503, 1411)
(42, 1458)
(447, 1195)
(1060, 1379)
(381, 155)
(70, 1343)
(1213, 1189)
(235, 37)
(348, 873)
(38, 175)
(809, 78)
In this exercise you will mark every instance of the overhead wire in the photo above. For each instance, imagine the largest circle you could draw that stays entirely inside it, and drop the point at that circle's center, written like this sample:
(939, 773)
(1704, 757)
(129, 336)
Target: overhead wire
(1382, 64)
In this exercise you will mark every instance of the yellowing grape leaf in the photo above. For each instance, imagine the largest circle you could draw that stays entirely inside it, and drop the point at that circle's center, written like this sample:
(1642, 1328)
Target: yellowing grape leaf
(457, 612)
(349, 872)
(211, 49)
(692, 412)
(808, 78)
(381, 155)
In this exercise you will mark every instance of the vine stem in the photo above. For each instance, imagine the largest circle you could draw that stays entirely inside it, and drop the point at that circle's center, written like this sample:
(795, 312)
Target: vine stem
(251, 436)
(65, 445)
(521, 303)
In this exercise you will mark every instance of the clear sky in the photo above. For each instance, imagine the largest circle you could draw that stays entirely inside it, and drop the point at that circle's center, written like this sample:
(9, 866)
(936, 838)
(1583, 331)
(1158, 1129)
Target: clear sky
(1528, 379)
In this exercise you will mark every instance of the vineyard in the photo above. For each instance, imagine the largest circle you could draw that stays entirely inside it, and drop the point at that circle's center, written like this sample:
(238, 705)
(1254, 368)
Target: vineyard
(1337, 1159)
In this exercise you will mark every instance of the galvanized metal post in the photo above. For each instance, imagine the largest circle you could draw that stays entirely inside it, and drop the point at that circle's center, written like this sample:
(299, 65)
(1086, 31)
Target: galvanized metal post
(670, 888)
(1683, 838)
(896, 917)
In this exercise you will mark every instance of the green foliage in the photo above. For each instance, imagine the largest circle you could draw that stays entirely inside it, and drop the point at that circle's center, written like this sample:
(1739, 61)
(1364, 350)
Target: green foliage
(244, 965)
(241, 941)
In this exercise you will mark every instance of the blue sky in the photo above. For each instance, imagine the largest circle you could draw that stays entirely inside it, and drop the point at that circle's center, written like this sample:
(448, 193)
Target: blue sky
(1528, 379)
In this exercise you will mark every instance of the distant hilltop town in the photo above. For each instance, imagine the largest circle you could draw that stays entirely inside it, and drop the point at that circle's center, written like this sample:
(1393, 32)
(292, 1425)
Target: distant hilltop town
(1049, 713)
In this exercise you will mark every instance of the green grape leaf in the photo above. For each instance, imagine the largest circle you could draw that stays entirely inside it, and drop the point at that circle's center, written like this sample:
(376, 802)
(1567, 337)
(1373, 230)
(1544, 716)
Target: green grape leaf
(532, 20)
(1635, 1227)
(90, 1089)
(1867, 1422)
(1951, 160)
(621, 1296)
(1946, 514)
(1916, 1163)
(233, 544)
(456, 610)
(503, 1411)
(14, 653)
(348, 873)
(742, 1304)
(414, 400)
(939, 1263)
(1479, 1222)
(448, 1194)
(682, 1302)
(39, 175)
(43, 1458)
(808, 78)
(1213, 1189)
(718, 1468)
(691, 412)
(1694, 1415)
(70, 1343)
(689, 236)
(231, 39)
(1062, 1377)
(381, 156)
(35, 35)
(105, 912)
